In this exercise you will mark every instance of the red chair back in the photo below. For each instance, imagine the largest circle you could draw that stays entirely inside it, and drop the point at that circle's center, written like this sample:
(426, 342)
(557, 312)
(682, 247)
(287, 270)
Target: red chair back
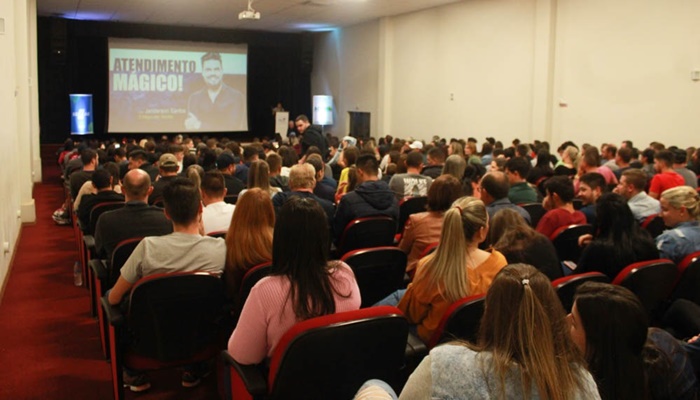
(461, 321)
(566, 286)
(652, 281)
(654, 224)
(408, 206)
(366, 232)
(565, 240)
(535, 210)
(688, 284)
(99, 209)
(379, 271)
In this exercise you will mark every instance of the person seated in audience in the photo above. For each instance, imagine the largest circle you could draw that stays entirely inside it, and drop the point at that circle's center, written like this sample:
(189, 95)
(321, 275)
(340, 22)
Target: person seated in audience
(249, 237)
(226, 164)
(494, 193)
(436, 161)
(456, 166)
(623, 157)
(568, 164)
(168, 167)
(680, 166)
(542, 170)
(523, 350)
(347, 160)
(510, 234)
(371, 197)
(411, 183)
(619, 240)
(456, 269)
(139, 159)
(558, 203)
(77, 179)
(666, 177)
(322, 190)
(304, 283)
(590, 162)
(274, 161)
(517, 169)
(184, 250)
(259, 177)
(631, 187)
(301, 183)
(423, 229)
(103, 183)
(216, 216)
(89, 188)
(680, 209)
(627, 359)
(135, 219)
(591, 186)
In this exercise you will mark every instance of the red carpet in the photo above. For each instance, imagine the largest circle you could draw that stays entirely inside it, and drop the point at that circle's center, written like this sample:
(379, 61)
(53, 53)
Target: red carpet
(49, 344)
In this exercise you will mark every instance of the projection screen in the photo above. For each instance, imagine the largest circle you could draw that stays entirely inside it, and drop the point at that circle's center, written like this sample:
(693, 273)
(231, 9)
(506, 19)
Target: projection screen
(166, 86)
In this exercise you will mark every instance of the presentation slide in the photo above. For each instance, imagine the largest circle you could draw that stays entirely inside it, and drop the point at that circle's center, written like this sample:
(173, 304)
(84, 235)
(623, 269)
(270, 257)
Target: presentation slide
(166, 86)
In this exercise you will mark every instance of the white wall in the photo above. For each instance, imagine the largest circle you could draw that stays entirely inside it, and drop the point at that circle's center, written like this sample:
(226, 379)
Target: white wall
(16, 135)
(501, 68)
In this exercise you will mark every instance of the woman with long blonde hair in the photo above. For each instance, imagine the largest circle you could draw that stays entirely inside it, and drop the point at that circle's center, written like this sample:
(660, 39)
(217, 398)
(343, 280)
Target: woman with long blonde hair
(457, 268)
(249, 237)
(259, 177)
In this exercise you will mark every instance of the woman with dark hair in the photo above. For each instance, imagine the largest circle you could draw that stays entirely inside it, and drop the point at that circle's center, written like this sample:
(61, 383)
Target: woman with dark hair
(628, 361)
(619, 240)
(520, 243)
(541, 171)
(424, 228)
(303, 285)
(523, 350)
(249, 237)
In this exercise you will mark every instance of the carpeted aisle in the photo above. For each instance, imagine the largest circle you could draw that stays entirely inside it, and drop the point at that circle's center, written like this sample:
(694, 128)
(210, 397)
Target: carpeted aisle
(49, 344)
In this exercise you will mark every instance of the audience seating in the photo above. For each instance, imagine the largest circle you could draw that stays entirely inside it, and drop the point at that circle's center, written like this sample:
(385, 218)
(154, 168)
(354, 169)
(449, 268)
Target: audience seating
(218, 234)
(461, 321)
(535, 210)
(565, 240)
(327, 357)
(171, 320)
(158, 202)
(249, 280)
(379, 271)
(688, 286)
(231, 198)
(366, 232)
(429, 249)
(652, 281)
(654, 224)
(408, 206)
(105, 275)
(88, 240)
(566, 286)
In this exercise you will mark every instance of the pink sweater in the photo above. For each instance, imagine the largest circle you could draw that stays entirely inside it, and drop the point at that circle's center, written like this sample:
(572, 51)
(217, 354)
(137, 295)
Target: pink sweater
(268, 314)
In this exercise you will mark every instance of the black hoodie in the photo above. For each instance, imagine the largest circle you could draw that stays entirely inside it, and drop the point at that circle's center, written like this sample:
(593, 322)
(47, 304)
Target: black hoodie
(368, 199)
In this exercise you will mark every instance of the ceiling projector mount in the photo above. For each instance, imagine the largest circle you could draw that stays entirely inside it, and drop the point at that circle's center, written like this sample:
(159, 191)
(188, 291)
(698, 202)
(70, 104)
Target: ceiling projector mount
(249, 13)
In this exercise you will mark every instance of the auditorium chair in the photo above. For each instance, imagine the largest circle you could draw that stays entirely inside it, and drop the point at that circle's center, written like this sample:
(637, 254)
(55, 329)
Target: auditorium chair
(105, 274)
(688, 286)
(379, 271)
(654, 224)
(231, 198)
(366, 232)
(429, 249)
(251, 277)
(158, 202)
(218, 234)
(566, 286)
(461, 321)
(652, 281)
(169, 320)
(565, 241)
(535, 210)
(326, 357)
(408, 206)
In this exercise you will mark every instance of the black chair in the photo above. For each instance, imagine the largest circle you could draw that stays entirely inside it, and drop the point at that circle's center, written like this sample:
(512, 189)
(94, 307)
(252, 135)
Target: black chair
(231, 198)
(535, 210)
(565, 240)
(566, 286)
(654, 224)
(251, 277)
(105, 275)
(327, 357)
(688, 286)
(379, 271)
(652, 281)
(366, 232)
(171, 320)
(461, 321)
(408, 206)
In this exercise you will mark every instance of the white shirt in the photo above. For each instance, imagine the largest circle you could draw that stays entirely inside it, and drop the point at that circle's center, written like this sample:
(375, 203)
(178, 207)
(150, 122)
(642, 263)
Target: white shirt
(217, 216)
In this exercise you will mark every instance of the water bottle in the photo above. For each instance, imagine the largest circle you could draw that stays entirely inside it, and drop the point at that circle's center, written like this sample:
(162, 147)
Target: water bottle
(77, 274)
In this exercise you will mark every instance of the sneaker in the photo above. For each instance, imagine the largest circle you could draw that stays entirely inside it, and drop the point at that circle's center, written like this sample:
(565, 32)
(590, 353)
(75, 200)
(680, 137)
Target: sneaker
(191, 379)
(136, 383)
(61, 221)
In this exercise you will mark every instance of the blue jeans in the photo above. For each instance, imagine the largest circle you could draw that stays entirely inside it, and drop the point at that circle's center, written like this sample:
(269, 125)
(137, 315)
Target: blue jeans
(382, 385)
(392, 299)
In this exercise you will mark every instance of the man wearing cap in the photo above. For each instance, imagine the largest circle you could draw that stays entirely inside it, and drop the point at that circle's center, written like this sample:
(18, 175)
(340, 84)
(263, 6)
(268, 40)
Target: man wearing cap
(226, 164)
(167, 169)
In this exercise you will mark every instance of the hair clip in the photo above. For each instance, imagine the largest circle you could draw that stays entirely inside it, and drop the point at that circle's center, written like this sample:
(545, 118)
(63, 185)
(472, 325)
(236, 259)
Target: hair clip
(526, 282)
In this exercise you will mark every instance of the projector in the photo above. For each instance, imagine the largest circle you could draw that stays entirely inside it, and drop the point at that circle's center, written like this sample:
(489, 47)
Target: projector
(249, 14)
